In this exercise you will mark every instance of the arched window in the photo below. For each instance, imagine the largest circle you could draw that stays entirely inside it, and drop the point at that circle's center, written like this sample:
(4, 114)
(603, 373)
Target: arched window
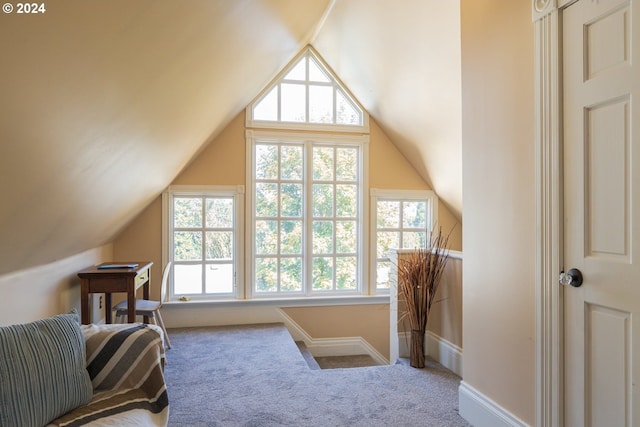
(307, 95)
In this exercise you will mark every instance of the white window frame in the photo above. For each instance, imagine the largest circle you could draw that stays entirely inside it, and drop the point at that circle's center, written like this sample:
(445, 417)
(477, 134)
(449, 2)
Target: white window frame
(377, 195)
(253, 136)
(235, 192)
(251, 122)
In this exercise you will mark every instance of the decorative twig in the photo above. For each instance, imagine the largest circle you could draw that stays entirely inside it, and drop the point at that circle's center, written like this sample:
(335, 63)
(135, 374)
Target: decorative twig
(419, 274)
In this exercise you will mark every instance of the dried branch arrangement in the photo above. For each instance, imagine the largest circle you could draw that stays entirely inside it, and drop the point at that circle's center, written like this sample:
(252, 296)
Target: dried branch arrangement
(419, 276)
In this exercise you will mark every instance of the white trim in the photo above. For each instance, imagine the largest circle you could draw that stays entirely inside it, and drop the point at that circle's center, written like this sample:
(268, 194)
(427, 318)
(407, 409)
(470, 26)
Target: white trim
(342, 346)
(205, 189)
(442, 351)
(284, 136)
(549, 337)
(250, 218)
(319, 301)
(481, 411)
(403, 194)
(234, 191)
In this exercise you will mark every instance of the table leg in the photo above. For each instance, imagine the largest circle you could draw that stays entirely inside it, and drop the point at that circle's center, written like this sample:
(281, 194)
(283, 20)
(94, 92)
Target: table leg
(84, 301)
(107, 308)
(131, 305)
(145, 295)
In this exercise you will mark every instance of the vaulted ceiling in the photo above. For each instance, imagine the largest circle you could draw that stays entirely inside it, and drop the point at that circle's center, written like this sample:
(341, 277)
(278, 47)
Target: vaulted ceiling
(102, 103)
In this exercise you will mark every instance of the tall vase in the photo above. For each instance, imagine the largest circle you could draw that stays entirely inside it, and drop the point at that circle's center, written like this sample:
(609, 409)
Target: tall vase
(416, 356)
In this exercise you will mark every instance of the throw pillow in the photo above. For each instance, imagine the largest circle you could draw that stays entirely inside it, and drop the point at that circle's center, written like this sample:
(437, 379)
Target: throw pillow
(42, 370)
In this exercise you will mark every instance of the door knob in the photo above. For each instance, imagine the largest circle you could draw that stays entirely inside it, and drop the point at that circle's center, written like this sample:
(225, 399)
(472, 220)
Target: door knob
(572, 277)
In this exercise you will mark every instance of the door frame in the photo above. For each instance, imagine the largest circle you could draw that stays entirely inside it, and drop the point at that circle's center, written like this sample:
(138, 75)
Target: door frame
(547, 19)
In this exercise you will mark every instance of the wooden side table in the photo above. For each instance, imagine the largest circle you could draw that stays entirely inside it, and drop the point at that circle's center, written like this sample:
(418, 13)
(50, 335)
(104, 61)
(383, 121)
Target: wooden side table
(109, 280)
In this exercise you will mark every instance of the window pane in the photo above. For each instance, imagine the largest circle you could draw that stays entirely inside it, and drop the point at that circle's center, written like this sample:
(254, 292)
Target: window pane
(267, 199)
(266, 275)
(291, 237)
(187, 279)
(266, 237)
(382, 275)
(322, 274)
(266, 161)
(322, 200)
(187, 212)
(346, 113)
(291, 200)
(315, 73)
(322, 237)
(414, 214)
(346, 200)
(219, 245)
(347, 164)
(291, 274)
(219, 213)
(320, 104)
(414, 239)
(219, 278)
(293, 102)
(387, 240)
(291, 166)
(346, 237)
(267, 108)
(346, 273)
(323, 163)
(187, 245)
(298, 72)
(388, 214)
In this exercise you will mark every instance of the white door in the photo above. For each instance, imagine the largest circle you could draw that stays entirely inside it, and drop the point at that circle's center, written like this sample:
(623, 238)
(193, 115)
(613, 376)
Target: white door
(601, 45)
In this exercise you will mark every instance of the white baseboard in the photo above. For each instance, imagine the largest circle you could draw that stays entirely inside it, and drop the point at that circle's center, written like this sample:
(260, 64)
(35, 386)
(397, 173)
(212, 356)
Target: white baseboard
(346, 346)
(442, 351)
(481, 411)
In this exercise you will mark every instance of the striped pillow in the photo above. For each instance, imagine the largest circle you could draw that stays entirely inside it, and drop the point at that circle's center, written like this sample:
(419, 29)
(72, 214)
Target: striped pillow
(42, 371)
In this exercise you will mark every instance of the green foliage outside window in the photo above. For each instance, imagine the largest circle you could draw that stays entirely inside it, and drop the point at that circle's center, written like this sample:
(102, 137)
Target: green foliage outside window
(280, 215)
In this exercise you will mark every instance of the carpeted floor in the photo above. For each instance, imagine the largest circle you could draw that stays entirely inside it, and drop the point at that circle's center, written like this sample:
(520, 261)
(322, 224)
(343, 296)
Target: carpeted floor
(255, 376)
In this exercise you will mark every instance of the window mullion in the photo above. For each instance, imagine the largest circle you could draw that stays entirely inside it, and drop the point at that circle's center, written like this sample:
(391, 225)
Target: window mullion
(308, 218)
(204, 245)
(334, 279)
(279, 222)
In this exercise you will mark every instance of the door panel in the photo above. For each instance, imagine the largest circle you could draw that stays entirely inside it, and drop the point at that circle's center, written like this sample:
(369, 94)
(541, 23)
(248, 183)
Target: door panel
(607, 366)
(607, 179)
(601, 167)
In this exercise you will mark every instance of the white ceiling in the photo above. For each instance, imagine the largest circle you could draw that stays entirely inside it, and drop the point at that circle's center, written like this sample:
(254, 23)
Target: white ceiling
(102, 103)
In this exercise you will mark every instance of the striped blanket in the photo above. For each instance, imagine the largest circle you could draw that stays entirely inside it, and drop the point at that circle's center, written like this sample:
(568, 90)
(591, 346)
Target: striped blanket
(125, 363)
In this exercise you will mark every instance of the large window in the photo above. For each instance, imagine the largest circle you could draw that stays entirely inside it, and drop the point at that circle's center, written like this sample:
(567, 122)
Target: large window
(203, 240)
(403, 220)
(306, 214)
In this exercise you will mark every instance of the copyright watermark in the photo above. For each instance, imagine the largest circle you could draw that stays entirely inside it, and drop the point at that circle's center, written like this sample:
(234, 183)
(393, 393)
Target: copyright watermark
(24, 8)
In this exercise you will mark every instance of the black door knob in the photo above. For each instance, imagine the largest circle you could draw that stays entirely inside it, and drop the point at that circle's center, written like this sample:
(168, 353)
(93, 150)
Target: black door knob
(572, 277)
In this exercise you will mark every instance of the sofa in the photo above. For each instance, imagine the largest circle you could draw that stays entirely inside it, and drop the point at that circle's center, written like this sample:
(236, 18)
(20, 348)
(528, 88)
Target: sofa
(56, 372)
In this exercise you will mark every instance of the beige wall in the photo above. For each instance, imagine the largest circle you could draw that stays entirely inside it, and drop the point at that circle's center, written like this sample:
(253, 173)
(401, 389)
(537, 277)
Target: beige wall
(222, 162)
(445, 317)
(499, 202)
(46, 290)
(370, 322)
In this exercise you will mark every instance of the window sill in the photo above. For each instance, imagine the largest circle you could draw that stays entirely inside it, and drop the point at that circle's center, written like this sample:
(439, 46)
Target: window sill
(287, 302)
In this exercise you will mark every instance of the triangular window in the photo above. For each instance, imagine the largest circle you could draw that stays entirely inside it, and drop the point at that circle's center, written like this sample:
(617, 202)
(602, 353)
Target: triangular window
(306, 95)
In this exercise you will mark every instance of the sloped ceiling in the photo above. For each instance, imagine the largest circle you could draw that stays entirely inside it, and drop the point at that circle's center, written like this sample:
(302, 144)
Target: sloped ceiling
(102, 103)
